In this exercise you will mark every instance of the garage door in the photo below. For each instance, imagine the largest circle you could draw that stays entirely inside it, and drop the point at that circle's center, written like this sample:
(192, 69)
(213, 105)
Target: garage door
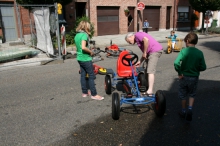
(153, 16)
(108, 20)
(8, 22)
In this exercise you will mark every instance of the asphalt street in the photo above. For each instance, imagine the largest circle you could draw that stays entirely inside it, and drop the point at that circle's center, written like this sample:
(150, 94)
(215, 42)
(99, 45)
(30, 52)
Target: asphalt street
(42, 106)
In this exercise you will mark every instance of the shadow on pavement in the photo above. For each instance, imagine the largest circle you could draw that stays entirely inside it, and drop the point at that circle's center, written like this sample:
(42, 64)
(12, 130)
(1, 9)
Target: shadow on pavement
(146, 129)
(212, 45)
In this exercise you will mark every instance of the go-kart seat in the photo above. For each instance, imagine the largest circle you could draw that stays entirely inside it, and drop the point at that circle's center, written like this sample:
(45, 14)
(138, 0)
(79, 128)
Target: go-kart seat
(122, 70)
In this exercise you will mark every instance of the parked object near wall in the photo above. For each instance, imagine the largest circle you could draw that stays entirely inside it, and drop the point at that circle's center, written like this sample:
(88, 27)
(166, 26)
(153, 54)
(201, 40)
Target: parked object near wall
(214, 23)
(215, 19)
(17, 53)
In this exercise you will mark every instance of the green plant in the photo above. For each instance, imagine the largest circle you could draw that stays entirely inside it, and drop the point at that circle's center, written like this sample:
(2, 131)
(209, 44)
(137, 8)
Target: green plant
(70, 35)
(126, 10)
(70, 38)
(1, 37)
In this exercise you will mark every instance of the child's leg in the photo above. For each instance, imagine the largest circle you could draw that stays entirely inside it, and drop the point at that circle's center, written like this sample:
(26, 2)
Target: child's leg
(182, 95)
(89, 70)
(192, 86)
(83, 78)
(191, 101)
(173, 44)
(183, 102)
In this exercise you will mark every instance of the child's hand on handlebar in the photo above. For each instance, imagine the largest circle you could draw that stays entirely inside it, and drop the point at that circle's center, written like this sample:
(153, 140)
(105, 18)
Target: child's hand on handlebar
(91, 53)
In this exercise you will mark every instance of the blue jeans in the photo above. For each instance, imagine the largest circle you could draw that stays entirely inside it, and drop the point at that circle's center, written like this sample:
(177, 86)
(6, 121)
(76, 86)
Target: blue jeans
(87, 67)
(187, 86)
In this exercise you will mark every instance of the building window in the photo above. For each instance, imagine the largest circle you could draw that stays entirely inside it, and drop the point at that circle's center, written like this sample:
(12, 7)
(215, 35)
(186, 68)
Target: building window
(183, 13)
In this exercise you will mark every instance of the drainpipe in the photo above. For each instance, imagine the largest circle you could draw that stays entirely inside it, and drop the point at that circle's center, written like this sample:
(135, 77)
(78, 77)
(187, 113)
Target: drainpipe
(174, 12)
(88, 8)
(138, 17)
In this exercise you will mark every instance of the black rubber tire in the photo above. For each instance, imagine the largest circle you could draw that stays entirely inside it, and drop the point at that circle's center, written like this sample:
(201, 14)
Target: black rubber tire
(115, 106)
(142, 81)
(169, 50)
(146, 78)
(108, 85)
(160, 103)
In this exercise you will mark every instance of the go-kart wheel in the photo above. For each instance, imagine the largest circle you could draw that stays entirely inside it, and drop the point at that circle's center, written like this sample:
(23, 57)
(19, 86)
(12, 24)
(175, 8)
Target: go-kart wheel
(144, 64)
(160, 104)
(131, 57)
(146, 78)
(108, 84)
(142, 83)
(169, 50)
(115, 106)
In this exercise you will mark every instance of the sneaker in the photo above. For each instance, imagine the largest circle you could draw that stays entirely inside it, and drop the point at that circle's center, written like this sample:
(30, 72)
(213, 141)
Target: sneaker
(182, 114)
(189, 115)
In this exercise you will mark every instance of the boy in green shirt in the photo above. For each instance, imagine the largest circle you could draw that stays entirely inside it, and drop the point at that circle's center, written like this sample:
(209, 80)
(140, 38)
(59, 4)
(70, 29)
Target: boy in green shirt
(189, 62)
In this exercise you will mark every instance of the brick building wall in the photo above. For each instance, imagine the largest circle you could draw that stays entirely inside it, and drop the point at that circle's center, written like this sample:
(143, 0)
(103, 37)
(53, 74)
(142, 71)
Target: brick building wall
(123, 4)
(25, 20)
(163, 11)
(91, 7)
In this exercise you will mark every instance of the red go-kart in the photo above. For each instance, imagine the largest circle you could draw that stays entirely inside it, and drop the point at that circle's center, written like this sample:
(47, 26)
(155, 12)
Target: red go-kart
(133, 84)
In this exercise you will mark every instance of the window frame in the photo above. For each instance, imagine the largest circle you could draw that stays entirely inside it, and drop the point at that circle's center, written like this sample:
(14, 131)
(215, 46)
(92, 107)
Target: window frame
(183, 14)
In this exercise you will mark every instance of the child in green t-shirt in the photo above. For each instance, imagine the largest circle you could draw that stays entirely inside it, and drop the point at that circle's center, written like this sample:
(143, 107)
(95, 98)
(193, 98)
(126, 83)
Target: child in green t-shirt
(189, 62)
(84, 58)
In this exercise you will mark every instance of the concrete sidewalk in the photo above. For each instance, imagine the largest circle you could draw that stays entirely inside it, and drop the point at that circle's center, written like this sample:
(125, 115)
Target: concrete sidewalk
(101, 41)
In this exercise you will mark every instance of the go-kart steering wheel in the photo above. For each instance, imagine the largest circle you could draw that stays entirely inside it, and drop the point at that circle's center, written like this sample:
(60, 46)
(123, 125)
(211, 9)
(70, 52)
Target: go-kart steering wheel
(131, 57)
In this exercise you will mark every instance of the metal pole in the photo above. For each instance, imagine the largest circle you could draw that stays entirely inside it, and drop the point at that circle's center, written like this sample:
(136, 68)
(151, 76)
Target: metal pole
(57, 31)
(19, 22)
(45, 36)
(32, 41)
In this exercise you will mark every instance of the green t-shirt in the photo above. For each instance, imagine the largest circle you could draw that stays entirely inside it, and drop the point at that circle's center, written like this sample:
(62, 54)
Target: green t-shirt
(82, 55)
(189, 62)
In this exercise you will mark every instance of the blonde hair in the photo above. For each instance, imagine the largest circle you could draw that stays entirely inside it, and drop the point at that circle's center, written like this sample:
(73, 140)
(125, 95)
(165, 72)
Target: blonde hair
(84, 26)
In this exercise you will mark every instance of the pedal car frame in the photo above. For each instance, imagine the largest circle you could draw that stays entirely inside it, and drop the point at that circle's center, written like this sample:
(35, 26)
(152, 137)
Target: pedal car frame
(177, 46)
(133, 83)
